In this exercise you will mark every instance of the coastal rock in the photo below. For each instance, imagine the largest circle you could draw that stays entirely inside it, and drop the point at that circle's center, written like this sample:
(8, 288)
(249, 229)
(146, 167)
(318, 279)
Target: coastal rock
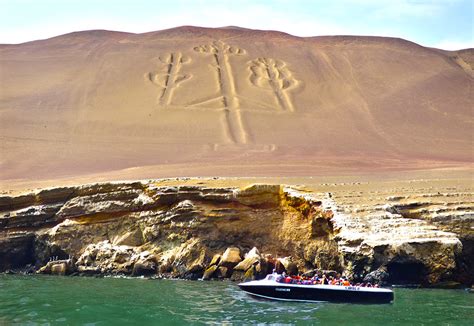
(379, 276)
(259, 194)
(247, 268)
(245, 264)
(237, 276)
(146, 228)
(88, 270)
(216, 259)
(144, 267)
(190, 260)
(209, 272)
(112, 202)
(289, 266)
(223, 272)
(251, 258)
(16, 250)
(130, 238)
(109, 259)
(58, 267)
(31, 216)
(231, 257)
(253, 253)
(250, 274)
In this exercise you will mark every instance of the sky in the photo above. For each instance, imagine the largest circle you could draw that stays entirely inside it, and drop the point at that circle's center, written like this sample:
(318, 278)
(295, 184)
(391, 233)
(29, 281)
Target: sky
(446, 24)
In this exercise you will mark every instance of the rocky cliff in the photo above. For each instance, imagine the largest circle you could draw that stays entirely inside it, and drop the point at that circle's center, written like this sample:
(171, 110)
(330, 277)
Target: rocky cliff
(191, 231)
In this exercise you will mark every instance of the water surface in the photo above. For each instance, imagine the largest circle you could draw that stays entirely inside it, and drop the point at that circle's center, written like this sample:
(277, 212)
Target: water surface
(112, 301)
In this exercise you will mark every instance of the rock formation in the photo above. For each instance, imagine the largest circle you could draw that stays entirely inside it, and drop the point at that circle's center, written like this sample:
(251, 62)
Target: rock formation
(192, 231)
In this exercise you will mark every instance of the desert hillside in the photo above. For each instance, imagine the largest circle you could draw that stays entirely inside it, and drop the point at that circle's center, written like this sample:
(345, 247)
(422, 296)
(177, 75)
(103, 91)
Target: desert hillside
(230, 101)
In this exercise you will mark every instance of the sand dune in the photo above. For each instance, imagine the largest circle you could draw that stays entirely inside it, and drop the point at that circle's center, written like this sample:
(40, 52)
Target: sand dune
(230, 101)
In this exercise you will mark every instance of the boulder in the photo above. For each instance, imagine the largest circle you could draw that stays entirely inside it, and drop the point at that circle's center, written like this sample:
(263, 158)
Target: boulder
(251, 258)
(253, 253)
(279, 268)
(251, 268)
(231, 257)
(223, 272)
(59, 269)
(215, 260)
(209, 272)
(186, 260)
(247, 263)
(290, 267)
(379, 276)
(250, 274)
(237, 276)
(46, 269)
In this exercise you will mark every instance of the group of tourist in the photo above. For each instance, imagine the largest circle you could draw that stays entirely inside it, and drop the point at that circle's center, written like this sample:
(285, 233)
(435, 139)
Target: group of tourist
(324, 279)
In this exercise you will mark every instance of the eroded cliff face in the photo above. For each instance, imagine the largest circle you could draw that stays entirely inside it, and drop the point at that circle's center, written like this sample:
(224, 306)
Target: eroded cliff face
(145, 228)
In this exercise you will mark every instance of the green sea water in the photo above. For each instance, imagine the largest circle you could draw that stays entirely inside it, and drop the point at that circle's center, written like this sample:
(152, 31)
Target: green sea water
(45, 300)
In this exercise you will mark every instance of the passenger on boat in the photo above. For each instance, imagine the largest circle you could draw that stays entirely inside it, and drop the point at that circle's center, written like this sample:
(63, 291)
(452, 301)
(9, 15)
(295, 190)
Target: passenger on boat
(301, 280)
(324, 280)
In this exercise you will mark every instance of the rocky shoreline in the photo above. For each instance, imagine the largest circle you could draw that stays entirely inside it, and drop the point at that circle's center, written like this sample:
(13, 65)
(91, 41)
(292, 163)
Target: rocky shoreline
(193, 231)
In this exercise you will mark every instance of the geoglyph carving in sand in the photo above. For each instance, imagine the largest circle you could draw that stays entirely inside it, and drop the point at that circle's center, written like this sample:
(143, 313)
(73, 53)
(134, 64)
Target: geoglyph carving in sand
(170, 77)
(274, 75)
(266, 73)
(232, 115)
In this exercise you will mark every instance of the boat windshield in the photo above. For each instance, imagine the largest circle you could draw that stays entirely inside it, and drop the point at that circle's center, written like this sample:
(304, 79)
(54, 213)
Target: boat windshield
(270, 277)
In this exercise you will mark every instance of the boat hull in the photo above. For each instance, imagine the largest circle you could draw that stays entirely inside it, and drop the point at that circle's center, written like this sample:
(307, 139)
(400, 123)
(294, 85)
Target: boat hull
(316, 293)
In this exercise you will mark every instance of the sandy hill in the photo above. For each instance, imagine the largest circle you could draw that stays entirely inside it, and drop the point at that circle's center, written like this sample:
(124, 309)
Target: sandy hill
(230, 101)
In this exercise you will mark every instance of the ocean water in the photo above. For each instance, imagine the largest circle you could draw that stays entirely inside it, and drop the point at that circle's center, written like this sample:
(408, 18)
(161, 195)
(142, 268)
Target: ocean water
(49, 300)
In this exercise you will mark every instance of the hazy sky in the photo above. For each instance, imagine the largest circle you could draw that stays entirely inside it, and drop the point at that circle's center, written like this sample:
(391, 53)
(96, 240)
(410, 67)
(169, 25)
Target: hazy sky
(446, 24)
